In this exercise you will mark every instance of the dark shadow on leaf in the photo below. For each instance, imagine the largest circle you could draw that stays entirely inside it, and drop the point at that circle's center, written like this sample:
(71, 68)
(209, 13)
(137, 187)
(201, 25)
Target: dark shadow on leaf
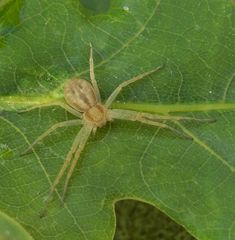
(94, 6)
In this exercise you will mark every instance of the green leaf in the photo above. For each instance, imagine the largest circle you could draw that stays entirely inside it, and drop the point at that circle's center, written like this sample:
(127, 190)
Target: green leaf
(9, 17)
(10, 229)
(191, 181)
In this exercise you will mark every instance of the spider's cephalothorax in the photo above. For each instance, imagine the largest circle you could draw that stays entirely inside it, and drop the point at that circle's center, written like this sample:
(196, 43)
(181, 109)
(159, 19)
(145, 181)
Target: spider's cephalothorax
(80, 95)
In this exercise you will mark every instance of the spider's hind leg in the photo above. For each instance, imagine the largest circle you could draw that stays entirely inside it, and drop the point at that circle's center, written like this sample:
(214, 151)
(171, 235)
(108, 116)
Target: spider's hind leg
(60, 104)
(116, 91)
(92, 75)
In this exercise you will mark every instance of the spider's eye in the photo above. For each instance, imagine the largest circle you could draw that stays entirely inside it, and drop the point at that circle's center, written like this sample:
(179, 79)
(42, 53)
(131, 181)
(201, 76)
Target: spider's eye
(79, 94)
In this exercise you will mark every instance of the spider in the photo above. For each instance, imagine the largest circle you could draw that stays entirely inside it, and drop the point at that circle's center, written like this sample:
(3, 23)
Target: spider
(83, 101)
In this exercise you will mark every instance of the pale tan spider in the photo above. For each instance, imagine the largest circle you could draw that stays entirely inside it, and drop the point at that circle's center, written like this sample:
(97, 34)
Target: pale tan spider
(84, 101)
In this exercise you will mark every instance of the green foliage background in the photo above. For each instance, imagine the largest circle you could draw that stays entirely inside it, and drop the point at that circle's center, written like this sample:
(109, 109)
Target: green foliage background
(191, 181)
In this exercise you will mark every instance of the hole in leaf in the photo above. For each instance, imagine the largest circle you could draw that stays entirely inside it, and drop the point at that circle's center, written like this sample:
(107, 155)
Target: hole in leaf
(9, 17)
(95, 6)
(141, 221)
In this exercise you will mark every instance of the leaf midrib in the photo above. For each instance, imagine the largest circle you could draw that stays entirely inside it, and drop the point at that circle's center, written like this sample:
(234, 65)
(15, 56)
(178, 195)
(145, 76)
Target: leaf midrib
(14, 103)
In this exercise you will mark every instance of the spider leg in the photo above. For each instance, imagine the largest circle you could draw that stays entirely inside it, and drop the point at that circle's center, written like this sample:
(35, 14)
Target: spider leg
(156, 117)
(92, 75)
(66, 163)
(116, 91)
(51, 129)
(136, 116)
(41, 105)
(83, 140)
(71, 110)
(61, 104)
(163, 125)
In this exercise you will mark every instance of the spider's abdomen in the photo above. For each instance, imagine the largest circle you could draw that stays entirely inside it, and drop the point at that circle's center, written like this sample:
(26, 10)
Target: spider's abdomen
(97, 116)
(79, 94)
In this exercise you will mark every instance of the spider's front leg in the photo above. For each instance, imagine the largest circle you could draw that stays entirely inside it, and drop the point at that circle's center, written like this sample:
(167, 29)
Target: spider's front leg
(153, 119)
(73, 155)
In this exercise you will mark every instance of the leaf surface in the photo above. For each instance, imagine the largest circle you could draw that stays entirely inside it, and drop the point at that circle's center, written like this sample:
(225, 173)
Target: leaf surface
(191, 181)
(10, 229)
